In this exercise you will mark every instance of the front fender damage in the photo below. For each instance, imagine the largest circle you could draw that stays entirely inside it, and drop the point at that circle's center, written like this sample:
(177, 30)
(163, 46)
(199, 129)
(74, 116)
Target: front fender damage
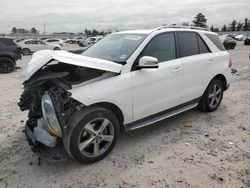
(56, 79)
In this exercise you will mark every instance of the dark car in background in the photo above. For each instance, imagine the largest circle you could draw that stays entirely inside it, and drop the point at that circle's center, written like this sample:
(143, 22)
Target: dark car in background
(228, 42)
(247, 41)
(10, 52)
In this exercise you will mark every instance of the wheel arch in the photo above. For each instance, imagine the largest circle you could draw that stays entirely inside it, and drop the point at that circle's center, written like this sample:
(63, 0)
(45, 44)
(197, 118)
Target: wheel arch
(27, 49)
(223, 79)
(113, 108)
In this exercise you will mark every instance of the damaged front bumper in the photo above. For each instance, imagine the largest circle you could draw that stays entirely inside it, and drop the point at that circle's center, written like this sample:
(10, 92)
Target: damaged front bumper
(44, 134)
(42, 143)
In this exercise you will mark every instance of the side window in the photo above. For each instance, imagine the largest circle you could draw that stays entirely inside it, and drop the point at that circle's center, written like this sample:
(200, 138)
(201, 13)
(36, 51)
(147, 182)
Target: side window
(203, 47)
(188, 44)
(161, 47)
(32, 42)
(215, 39)
(27, 42)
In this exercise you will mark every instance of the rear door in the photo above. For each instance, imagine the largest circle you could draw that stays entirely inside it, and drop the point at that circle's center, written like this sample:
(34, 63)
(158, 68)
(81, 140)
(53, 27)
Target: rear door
(198, 64)
(32, 45)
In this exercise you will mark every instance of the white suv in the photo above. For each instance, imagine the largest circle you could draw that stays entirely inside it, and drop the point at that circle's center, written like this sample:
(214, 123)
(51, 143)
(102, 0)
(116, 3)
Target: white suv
(127, 80)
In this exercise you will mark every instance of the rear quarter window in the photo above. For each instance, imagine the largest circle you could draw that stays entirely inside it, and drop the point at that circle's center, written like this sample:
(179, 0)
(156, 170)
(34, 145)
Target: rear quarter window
(202, 45)
(215, 39)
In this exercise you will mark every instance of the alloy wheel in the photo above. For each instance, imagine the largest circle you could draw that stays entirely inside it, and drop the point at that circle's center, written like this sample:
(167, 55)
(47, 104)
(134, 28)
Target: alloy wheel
(96, 137)
(215, 96)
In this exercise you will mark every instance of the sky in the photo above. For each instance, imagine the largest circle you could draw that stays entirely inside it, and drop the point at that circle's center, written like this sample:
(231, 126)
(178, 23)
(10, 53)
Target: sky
(76, 15)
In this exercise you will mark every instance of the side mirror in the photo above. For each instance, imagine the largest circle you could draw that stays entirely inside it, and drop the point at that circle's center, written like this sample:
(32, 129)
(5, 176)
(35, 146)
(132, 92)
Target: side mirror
(148, 62)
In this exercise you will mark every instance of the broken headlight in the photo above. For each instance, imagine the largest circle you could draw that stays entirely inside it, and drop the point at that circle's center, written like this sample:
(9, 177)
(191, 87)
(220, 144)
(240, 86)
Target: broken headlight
(49, 115)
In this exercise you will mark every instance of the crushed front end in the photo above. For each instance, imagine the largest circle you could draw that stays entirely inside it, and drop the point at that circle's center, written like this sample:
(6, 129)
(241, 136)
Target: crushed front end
(50, 105)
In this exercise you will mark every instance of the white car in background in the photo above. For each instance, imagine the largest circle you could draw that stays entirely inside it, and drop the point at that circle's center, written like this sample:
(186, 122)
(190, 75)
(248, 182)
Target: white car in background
(32, 45)
(240, 37)
(54, 41)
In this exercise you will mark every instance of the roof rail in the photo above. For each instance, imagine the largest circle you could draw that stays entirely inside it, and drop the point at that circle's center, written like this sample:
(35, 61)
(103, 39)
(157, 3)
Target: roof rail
(181, 27)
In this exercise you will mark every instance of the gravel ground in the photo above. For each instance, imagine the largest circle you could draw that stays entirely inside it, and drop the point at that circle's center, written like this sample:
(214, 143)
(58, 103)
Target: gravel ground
(192, 149)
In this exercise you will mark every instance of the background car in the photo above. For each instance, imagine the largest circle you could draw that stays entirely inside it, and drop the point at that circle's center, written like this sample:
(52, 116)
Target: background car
(247, 41)
(240, 37)
(31, 45)
(89, 41)
(229, 43)
(54, 41)
(65, 40)
(76, 40)
(9, 53)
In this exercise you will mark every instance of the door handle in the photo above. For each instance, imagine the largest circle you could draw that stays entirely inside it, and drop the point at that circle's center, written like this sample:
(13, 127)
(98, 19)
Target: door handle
(176, 69)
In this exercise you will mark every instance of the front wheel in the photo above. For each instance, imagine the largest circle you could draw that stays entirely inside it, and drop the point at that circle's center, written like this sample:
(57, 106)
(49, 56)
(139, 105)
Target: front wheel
(212, 97)
(26, 51)
(91, 134)
(7, 65)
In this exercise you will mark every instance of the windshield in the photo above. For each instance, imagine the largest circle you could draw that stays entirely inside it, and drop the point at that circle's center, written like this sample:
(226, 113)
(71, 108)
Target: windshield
(115, 47)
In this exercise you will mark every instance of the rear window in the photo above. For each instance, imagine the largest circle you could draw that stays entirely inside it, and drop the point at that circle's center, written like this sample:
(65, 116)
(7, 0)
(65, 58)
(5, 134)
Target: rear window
(188, 44)
(7, 42)
(215, 39)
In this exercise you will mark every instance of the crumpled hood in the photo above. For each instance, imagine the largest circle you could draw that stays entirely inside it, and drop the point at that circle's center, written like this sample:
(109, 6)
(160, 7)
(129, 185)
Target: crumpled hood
(41, 58)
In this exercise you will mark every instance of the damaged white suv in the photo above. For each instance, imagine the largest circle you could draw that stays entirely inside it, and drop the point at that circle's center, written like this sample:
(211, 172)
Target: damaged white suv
(125, 81)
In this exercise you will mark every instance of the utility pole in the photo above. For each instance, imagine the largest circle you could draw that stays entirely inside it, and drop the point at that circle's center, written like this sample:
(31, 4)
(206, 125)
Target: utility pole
(44, 29)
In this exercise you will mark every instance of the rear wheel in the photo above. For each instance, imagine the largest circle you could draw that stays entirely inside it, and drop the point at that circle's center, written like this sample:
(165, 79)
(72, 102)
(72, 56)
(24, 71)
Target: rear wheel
(92, 134)
(7, 65)
(26, 51)
(212, 97)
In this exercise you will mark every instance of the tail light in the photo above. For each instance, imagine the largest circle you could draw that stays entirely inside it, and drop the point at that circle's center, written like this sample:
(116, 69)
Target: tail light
(230, 63)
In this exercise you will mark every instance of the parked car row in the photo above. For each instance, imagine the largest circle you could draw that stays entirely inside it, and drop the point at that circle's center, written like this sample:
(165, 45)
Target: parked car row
(240, 37)
(89, 41)
(33, 45)
(29, 46)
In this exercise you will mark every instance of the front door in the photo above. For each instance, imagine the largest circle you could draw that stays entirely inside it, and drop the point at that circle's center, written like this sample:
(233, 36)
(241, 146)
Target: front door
(157, 89)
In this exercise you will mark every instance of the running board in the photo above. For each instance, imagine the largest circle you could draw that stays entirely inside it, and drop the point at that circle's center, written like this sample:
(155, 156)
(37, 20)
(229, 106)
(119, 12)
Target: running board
(156, 118)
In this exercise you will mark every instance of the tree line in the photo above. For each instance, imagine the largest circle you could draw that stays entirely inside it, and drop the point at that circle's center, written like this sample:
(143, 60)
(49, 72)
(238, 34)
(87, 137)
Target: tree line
(201, 21)
(15, 30)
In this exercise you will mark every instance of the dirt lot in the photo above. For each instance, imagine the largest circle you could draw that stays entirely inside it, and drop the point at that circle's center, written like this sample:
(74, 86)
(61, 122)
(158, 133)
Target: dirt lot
(193, 149)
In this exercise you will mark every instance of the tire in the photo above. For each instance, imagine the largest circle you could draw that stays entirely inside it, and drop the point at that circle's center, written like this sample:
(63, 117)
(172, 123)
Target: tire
(95, 130)
(26, 51)
(7, 65)
(56, 48)
(212, 97)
